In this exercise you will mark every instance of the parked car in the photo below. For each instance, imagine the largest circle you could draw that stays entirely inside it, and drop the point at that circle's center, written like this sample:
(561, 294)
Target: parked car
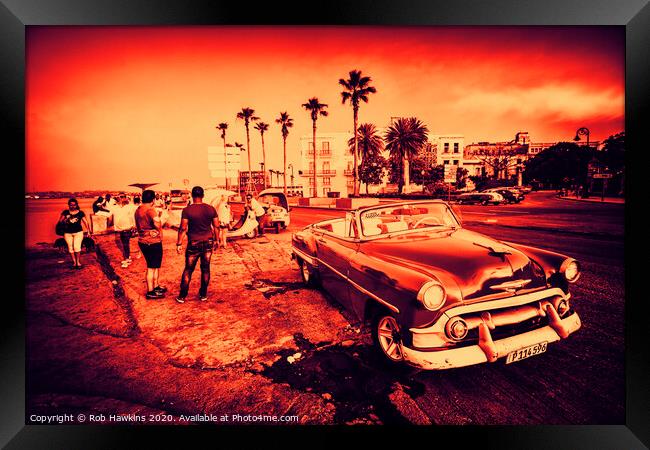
(437, 295)
(277, 207)
(482, 198)
(510, 196)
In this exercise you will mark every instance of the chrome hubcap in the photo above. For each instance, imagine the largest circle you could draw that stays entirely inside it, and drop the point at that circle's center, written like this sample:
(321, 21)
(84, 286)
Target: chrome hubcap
(389, 338)
(305, 271)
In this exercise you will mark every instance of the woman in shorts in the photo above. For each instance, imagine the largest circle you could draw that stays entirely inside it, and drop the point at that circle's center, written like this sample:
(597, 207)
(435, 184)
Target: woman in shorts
(74, 219)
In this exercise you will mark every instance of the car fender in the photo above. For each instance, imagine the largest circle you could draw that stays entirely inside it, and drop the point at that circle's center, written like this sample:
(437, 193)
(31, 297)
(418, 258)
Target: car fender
(398, 282)
(551, 263)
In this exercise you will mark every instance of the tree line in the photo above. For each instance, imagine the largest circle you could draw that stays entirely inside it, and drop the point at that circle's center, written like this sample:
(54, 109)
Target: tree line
(403, 139)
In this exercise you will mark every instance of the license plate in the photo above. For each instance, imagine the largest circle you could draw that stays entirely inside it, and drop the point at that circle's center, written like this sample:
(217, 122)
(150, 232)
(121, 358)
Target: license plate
(526, 352)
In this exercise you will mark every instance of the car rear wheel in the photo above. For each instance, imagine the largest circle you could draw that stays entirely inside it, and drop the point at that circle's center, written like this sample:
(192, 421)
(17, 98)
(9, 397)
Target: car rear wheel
(308, 274)
(387, 337)
(251, 234)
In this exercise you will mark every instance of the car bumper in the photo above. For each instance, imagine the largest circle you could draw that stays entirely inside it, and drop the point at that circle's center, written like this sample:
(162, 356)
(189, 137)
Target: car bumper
(488, 350)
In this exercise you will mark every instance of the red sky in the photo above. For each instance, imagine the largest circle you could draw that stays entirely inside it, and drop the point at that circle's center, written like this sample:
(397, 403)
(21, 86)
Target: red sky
(108, 106)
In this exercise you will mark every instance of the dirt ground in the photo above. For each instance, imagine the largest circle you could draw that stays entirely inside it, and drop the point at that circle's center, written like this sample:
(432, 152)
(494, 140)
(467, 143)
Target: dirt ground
(97, 346)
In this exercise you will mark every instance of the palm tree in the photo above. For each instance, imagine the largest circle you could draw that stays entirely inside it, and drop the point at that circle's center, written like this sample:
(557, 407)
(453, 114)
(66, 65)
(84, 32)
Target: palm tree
(262, 128)
(223, 126)
(356, 88)
(315, 108)
(369, 142)
(404, 139)
(285, 123)
(248, 115)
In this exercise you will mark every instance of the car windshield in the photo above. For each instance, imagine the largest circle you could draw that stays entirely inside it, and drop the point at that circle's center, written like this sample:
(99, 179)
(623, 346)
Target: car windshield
(270, 199)
(396, 218)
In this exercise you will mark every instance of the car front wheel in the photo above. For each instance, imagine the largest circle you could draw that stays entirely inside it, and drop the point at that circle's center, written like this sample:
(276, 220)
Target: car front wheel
(308, 274)
(387, 337)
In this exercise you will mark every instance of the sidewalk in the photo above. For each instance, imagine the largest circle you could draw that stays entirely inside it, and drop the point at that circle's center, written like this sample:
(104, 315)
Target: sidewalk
(594, 199)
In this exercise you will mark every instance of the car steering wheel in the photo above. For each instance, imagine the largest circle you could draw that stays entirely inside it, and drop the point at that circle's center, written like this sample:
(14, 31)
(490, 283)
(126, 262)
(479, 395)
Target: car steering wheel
(424, 219)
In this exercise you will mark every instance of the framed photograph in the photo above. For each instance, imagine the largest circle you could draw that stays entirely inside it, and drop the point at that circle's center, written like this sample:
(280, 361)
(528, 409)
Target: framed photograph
(354, 215)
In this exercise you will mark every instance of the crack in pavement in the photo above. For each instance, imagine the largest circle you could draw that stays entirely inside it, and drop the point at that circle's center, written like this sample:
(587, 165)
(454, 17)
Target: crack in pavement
(39, 312)
(119, 295)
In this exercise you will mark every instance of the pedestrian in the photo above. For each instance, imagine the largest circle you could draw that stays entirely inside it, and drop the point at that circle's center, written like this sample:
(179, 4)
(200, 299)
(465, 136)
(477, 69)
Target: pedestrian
(200, 222)
(124, 226)
(99, 209)
(150, 242)
(225, 217)
(136, 204)
(73, 220)
(259, 211)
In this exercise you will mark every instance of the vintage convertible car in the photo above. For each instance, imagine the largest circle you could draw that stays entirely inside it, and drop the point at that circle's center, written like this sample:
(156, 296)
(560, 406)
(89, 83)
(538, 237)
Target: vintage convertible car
(437, 295)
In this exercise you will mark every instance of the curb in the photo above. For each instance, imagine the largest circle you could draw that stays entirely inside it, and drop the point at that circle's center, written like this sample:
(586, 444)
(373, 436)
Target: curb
(590, 201)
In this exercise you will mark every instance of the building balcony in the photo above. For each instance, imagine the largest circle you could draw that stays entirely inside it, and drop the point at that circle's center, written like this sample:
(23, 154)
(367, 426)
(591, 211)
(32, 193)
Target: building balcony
(324, 153)
(321, 173)
(348, 172)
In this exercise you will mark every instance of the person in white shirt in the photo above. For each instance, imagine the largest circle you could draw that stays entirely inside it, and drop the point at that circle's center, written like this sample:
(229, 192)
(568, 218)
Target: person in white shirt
(258, 210)
(225, 217)
(124, 224)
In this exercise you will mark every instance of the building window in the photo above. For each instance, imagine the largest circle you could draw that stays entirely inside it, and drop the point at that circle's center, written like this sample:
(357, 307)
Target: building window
(325, 191)
(455, 147)
(327, 181)
(455, 162)
(325, 145)
(326, 167)
(446, 147)
(446, 161)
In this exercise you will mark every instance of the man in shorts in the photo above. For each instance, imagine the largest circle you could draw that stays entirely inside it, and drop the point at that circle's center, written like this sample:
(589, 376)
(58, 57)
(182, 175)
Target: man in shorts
(200, 222)
(149, 227)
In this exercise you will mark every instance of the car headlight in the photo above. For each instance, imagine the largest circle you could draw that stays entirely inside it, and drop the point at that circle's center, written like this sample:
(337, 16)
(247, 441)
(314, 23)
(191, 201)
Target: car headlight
(432, 295)
(571, 270)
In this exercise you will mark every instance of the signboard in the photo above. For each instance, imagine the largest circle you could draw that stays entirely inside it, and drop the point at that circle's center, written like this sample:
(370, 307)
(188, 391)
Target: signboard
(602, 175)
(258, 180)
(218, 167)
(450, 173)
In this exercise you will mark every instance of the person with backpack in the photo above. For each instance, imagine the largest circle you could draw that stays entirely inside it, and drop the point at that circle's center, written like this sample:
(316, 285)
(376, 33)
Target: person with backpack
(71, 223)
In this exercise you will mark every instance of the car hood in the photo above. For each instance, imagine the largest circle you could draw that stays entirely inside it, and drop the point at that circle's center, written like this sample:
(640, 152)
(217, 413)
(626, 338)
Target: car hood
(477, 263)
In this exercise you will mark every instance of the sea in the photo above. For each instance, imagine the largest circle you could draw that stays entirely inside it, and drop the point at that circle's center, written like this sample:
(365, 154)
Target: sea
(41, 215)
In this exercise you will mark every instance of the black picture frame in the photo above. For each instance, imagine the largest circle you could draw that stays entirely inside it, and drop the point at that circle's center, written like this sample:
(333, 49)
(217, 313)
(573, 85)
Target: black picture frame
(15, 15)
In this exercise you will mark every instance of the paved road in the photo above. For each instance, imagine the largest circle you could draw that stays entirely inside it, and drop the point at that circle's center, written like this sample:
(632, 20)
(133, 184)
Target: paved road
(579, 380)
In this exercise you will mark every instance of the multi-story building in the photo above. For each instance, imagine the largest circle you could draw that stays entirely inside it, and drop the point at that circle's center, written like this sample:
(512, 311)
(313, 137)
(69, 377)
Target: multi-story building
(334, 164)
(514, 154)
(449, 148)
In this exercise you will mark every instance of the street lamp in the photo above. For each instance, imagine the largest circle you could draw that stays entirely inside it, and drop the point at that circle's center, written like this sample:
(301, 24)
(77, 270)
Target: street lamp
(263, 175)
(582, 131)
